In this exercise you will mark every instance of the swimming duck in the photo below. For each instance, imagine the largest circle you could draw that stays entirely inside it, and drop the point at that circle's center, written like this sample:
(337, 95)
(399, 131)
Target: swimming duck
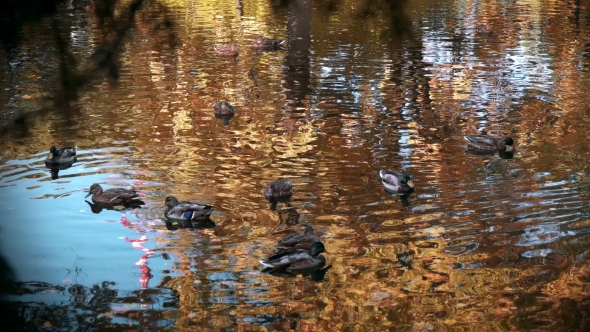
(303, 240)
(61, 156)
(485, 143)
(261, 42)
(484, 29)
(223, 108)
(397, 183)
(297, 259)
(113, 196)
(186, 211)
(279, 189)
(230, 50)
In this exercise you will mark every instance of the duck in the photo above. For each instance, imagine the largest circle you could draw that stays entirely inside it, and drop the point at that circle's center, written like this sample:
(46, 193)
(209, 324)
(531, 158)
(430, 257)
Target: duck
(484, 29)
(303, 240)
(223, 108)
(230, 50)
(113, 196)
(61, 156)
(298, 259)
(279, 189)
(486, 143)
(186, 211)
(261, 42)
(398, 183)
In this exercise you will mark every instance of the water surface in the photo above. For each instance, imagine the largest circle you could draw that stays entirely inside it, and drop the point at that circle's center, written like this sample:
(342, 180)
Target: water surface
(486, 241)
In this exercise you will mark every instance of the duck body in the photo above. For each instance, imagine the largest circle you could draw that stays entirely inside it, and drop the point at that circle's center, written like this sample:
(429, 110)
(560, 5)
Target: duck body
(61, 157)
(298, 259)
(223, 108)
(396, 183)
(267, 43)
(186, 211)
(114, 196)
(230, 50)
(485, 143)
(279, 189)
(303, 240)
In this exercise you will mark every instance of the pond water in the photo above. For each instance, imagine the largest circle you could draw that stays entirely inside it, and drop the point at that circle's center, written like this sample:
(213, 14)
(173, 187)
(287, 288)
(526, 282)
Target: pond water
(490, 242)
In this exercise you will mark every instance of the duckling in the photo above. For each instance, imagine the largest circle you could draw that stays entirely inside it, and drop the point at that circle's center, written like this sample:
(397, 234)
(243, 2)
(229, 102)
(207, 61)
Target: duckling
(297, 259)
(485, 143)
(186, 211)
(396, 183)
(231, 50)
(223, 108)
(267, 43)
(303, 240)
(61, 156)
(113, 196)
(279, 189)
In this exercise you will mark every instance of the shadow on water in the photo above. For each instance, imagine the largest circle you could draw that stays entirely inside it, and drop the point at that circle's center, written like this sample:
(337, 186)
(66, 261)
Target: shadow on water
(71, 77)
(7, 279)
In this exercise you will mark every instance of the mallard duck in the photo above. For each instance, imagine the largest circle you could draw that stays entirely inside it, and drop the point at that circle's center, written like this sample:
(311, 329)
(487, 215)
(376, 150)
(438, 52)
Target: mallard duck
(485, 143)
(297, 259)
(303, 240)
(186, 211)
(397, 183)
(261, 42)
(61, 156)
(223, 108)
(113, 196)
(230, 50)
(279, 189)
(484, 29)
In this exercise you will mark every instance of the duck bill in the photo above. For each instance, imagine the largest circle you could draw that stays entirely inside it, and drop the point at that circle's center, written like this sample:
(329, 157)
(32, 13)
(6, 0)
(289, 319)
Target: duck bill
(88, 195)
(50, 156)
(509, 148)
(411, 184)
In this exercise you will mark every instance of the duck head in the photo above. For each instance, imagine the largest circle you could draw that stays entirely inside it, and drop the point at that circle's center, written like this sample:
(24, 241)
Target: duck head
(94, 189)
(171, 201)
(406, 180)
(317, 248)
(52, 152)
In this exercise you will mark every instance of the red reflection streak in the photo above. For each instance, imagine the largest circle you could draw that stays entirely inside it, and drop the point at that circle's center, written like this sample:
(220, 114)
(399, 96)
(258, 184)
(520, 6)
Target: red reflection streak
(144, 270)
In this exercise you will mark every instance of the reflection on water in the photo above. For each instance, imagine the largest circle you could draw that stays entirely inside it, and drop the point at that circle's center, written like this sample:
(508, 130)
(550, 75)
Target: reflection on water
(493, 241)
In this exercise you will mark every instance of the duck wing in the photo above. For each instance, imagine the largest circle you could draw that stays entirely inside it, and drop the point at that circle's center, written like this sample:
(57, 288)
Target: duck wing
(481, 140)
(67, 152)
(121, 194)
(289, 240)
(189, 211)
(285, 259)
(390, 180)
(307, 263)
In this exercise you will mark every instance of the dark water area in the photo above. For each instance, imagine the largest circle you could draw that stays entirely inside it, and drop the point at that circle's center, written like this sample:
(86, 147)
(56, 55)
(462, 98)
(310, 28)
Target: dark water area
(489, 242)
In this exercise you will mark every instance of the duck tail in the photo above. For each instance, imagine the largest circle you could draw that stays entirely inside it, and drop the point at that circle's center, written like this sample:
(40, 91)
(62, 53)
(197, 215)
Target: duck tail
(265, 263)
